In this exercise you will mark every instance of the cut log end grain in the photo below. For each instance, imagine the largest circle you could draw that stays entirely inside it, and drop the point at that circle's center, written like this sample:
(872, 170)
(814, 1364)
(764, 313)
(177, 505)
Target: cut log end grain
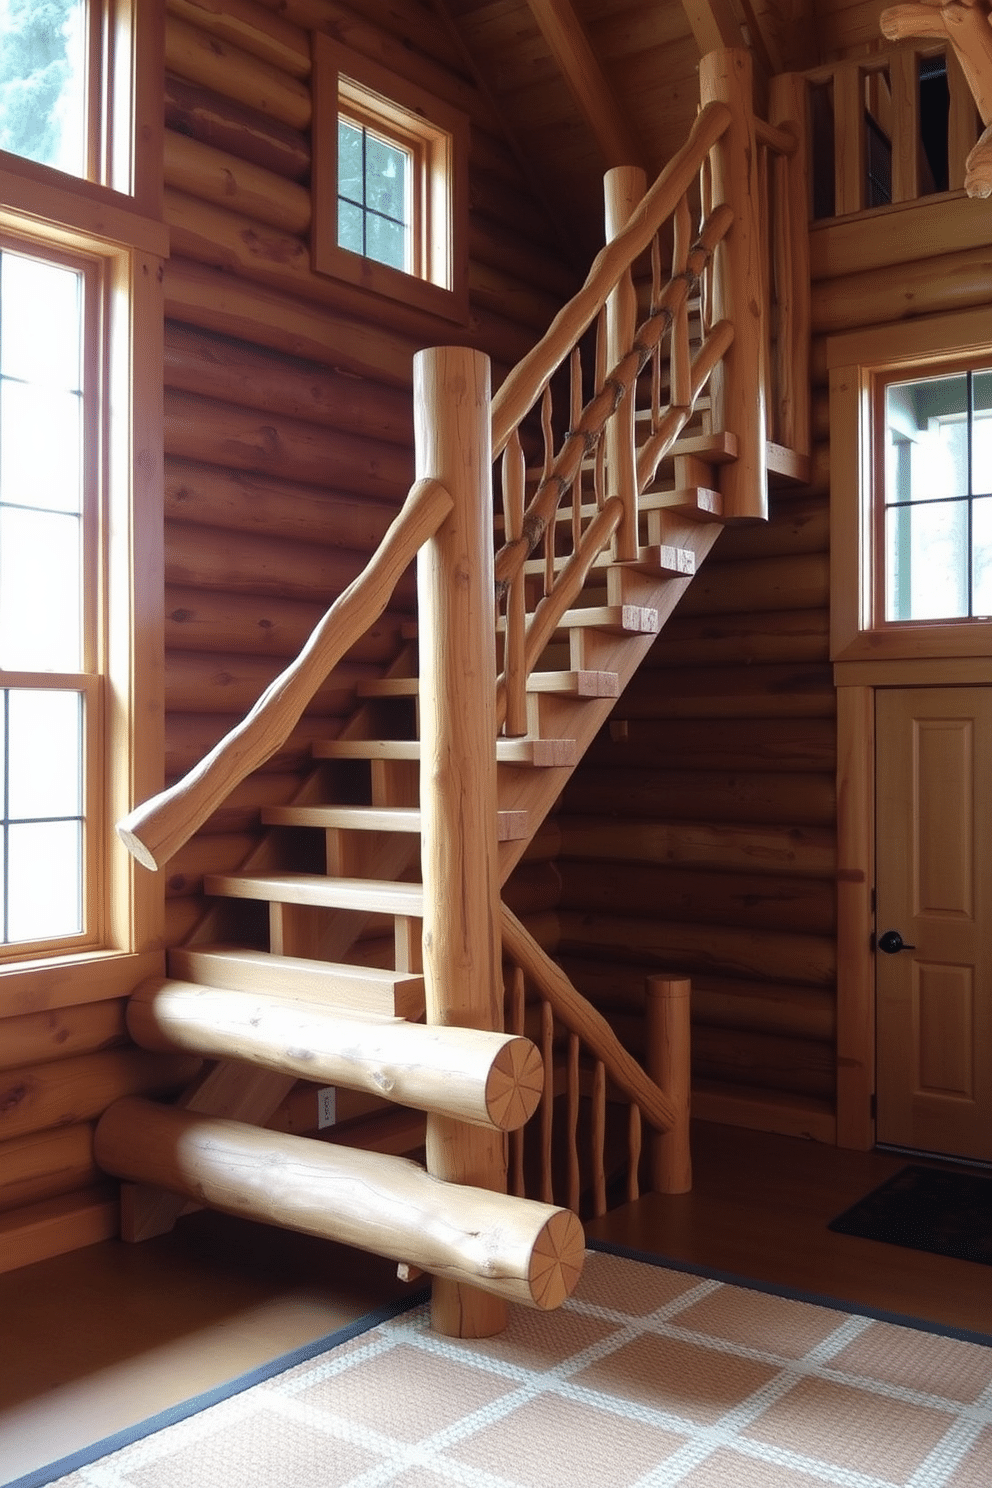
(515, 1084)
(556, 1261)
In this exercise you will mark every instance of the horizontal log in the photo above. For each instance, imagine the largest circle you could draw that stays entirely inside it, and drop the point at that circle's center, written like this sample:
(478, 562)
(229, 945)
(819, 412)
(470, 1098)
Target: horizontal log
(190, 736)
(717, 1002)
(812, 1118)
(497, 289)
(182, 917)
(46, 1164)
(262, 505)
(774, 637)
(486, 1079)
(800, 525)
(802, 690)
(215, 175)
(879, 296)
(235, 372)
(526, 1252)
(241, 811)
(69, 1091)
(234, 72)
(207, 620)
(243, 132)
(705, 796)
(773, 745)
(255, 28)
(61, 1033)
(212, 558)
(199, 682)
(805, 905)
(758, 849)
(798, 581)
(711, 950)
(400, 23)
(757, 1059)
(532, 888)
(494, 241)
(210, 852)
(52, 1227)
(204, 429)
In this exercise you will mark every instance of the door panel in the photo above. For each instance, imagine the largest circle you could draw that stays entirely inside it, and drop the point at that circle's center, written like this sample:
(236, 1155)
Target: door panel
(934, 885)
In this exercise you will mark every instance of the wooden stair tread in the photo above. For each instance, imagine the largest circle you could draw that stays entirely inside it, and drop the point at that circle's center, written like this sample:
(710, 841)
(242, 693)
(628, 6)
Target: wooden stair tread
(387, 687)
(617, 619)
(576, 683)
(511, 826)
(373, 895)
(368, 989)
(525, 751)
(654, 558)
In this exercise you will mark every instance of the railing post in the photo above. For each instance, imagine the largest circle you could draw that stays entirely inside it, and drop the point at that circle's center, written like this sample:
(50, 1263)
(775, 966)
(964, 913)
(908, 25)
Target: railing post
(624, 188)
(668, 1039)
(787, 108)
(462, 971)
(739, 387)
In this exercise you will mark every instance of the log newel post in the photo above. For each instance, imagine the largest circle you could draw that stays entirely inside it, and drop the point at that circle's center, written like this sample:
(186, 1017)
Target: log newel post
(788, 109)
(462, 971)
(667, 1013)
(739, 385)
(624, 188)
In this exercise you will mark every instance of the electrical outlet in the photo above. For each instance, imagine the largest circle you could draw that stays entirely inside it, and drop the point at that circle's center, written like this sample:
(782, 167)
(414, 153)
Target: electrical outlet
(326, 1104)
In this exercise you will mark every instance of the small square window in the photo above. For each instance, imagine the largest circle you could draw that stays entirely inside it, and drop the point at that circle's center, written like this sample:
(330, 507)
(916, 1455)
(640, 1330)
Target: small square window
(389, 183)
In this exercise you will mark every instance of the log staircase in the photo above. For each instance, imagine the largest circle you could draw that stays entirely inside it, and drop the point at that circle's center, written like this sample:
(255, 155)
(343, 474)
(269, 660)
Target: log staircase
(635, 427)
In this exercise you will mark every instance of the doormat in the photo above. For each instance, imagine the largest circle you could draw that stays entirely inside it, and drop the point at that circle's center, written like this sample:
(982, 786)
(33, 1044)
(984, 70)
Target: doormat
(945, 1213)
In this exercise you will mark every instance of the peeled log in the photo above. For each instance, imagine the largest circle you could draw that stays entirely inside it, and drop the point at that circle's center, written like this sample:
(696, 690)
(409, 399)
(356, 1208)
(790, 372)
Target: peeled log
(489, 1079)
(515, 1248)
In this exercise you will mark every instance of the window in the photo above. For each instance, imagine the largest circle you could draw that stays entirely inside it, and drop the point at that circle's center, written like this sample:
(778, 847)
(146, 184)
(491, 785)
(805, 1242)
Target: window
(389, 184)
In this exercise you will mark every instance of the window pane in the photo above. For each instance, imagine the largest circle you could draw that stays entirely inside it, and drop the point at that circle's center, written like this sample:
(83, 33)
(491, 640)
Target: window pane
(45, 880)
(44, 753)
(350, 221)
(42, 55)
(349, 161)
(981, 536)
(926, 561)
(40, 328)
(40, 618)
(981, 434)
(385, 241)
(927, 439)
(40, 451)
(385, 177)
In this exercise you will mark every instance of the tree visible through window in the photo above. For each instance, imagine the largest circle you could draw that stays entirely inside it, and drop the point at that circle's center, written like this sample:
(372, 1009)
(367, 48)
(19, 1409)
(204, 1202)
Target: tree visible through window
(42, 70)
(375, 181)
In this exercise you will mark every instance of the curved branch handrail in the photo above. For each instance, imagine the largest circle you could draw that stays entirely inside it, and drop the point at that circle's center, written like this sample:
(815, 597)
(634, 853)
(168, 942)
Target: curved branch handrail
(581, 1018)
(525, 383)
(158, 828)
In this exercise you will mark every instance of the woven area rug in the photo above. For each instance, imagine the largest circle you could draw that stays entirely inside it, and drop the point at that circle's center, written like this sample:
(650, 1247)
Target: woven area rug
(651, 1376)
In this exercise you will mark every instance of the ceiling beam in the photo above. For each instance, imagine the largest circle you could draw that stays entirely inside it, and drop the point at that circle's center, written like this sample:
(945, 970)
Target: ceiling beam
(569, 45)
(714, 24)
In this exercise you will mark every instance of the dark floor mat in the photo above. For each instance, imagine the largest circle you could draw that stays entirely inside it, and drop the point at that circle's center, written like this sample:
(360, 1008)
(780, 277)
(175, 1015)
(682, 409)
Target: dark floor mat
(947, 1213)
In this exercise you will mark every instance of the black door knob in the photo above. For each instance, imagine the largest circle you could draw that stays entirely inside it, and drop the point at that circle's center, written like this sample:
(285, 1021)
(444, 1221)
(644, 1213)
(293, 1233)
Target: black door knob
(891, 941)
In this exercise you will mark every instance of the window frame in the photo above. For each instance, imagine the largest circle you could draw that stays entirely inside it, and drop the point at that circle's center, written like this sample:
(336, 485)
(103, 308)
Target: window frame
(346, 83)
(121, 237)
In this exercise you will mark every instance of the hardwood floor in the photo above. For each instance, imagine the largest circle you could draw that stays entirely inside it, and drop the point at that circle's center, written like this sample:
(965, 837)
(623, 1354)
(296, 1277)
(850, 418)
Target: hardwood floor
(99, 1339)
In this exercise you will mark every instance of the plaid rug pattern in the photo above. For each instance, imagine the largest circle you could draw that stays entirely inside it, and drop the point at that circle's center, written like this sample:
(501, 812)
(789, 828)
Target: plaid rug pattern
(647, 1378)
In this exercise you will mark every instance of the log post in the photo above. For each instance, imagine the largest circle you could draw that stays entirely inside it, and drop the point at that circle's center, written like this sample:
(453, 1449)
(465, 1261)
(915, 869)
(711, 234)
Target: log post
(624, 188)
(462, 959)
(739, 385)
(787, 109)
(667, 1015)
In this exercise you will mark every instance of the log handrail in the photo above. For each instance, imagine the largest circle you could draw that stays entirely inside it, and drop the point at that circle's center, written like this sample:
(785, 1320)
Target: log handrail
(155, 830)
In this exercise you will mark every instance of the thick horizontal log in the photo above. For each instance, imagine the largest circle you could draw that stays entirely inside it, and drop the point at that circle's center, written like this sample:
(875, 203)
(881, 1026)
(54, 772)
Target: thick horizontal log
(799, 581)
(756, 1059)
(52, 1227)
(401, 22)
(705, 796)
(236, 73)
(775, 745)
(239, 501)
(242, 132)
(46, 1165)
(799, 525)
(494, 241)
(190, 736)
(205, 620)
(879, 296)
(805, 905)
(217, 367)
(61, 1033)
(182, 917)
(212, 558)
(208, 852)
(711, 950)
(773, 637)
(812, 1118)
(69, 1091)
(215, 175)
(758, 849)
(526, 1252)
(497, 289)
(532, 888)
(241, 811)
(487, 1079)
(198, 682)
(717, 1002)
(198, 428)
(258, 30)
(803, 690)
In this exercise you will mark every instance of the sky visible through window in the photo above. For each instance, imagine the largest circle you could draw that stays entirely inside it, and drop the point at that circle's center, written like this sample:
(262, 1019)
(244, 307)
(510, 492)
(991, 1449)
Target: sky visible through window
(374, 187)
(42, 71)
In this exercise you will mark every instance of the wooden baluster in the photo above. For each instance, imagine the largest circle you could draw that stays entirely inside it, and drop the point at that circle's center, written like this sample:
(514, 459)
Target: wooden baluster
(904, 79)
(547, 1100)
(575, 413)
(518, 1019)
(625, 186)
(462, 953)
(680, 360)
(765, 255)
(515, 635)
(599, 1139)
(572, 1117)
(656, 287)
(599, 476)
(738, 386)
(849, 138)
(547, 432)
(667, 1018)
(634, 1142)
(706, 281)
(788, 105)
(963, 127)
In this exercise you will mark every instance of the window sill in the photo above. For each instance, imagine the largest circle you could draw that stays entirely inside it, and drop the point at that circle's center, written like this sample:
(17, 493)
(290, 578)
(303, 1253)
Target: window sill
(68, 980)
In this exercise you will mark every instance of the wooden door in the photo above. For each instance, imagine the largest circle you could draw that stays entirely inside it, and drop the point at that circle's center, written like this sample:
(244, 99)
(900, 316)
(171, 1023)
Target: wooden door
(934, 887)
